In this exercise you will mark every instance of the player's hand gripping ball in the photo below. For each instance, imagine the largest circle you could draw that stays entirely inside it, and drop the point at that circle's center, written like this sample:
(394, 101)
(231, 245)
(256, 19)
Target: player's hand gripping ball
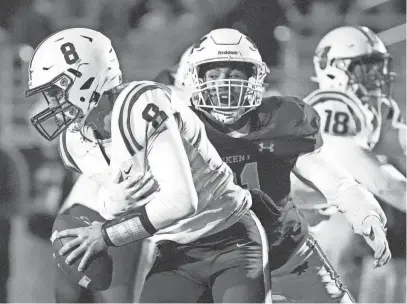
(98, 273)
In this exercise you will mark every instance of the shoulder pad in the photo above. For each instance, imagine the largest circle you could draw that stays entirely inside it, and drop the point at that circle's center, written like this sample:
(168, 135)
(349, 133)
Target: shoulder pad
(288, 115)
(182, 95)
(290, 124)
(140, 112)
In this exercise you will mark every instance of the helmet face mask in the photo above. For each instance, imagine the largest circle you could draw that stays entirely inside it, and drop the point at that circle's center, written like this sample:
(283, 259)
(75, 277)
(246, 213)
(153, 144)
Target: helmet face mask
(373, 76)
(225, 88)
(226, 75)
(72, 76)
(60, 113)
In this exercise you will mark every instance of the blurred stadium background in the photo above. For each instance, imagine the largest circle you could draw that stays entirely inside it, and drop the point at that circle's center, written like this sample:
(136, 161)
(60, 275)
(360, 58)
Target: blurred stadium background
(149, 36)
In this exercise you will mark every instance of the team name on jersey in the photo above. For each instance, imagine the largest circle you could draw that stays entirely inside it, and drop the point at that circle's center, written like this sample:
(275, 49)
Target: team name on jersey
(236, 158)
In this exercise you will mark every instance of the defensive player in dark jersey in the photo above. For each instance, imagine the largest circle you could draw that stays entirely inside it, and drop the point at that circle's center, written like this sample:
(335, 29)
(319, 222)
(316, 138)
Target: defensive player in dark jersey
(262, 140)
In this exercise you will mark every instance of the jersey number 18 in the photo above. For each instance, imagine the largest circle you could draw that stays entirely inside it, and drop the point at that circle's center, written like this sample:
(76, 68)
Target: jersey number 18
(339, 124)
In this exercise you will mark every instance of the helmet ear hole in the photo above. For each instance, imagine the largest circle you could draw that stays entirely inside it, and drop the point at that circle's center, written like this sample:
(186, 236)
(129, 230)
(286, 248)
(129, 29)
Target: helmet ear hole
(323, 57)
(322, 63)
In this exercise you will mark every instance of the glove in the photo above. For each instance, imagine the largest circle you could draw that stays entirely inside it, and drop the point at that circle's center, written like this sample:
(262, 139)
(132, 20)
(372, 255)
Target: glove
(122, 194)
(374, 234)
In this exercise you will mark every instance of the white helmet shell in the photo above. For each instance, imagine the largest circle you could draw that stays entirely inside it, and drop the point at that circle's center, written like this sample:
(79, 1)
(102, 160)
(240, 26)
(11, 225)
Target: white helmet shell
(338, 49)
(226, 45)
(80, 61)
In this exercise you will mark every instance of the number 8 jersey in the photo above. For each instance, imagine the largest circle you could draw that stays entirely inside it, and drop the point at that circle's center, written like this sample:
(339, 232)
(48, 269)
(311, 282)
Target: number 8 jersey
(142, 114)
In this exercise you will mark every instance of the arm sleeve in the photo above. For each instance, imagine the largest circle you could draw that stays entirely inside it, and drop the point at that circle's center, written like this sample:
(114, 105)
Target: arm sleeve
(339, 189)
(154, 129)
(366, 169)
(177, 197)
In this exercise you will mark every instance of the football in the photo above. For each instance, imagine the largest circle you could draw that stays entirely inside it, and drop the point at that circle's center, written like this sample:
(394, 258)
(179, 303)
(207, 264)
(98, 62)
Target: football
(98, 273)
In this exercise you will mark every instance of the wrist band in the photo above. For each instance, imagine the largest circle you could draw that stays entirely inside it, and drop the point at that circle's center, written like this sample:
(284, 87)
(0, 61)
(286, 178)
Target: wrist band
(130, 227)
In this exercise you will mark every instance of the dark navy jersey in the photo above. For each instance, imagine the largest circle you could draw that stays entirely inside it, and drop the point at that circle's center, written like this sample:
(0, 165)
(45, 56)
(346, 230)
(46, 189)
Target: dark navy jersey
(282, 129)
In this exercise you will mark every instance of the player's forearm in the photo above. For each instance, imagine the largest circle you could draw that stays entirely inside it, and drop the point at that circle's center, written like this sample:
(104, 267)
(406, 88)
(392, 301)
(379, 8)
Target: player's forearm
(143, 222)
(339, 189)
(163, 212)
(356, 203)
(177, 197)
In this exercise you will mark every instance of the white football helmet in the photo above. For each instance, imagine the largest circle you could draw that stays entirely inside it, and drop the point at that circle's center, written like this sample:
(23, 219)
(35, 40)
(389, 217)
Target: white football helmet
(72, 68)
(180, 76)
(231, 47)
(353, 58)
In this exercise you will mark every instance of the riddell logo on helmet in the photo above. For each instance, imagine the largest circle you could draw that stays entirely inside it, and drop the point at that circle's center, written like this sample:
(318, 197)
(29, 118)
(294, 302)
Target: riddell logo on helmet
(227, 52)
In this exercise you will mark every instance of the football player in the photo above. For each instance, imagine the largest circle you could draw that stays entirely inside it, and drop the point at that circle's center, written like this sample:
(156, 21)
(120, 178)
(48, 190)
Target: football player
(263, 140)
(357, 111)
(197, 216)
(358, 115)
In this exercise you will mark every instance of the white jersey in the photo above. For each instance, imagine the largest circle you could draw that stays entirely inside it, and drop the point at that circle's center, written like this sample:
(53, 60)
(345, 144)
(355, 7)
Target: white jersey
(345, 115)
(144, 113)
(81, 152)
(350, 131)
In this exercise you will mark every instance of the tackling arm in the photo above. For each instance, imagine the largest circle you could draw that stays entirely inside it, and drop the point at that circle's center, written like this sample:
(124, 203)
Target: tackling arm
(365, 168)
(339, 188)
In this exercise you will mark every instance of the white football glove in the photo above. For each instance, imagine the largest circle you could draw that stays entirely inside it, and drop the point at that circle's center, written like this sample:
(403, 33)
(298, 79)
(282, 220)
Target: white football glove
(374, 234)
(122, 193)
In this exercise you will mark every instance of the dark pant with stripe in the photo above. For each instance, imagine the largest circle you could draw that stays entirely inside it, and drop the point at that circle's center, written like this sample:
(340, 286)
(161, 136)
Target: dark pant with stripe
(231, 264)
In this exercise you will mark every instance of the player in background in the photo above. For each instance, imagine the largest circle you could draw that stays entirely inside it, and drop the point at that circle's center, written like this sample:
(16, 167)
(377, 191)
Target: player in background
(199, 218)
(364, 132)
(262, 139)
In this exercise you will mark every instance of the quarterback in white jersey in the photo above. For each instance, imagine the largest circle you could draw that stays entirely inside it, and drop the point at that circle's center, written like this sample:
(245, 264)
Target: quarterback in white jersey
(362, 126)
(193, 211)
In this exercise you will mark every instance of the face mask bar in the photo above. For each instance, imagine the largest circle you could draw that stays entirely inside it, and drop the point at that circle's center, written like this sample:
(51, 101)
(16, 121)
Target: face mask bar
(371, 75)
(229, 99)
(228, 94)
(59, 114)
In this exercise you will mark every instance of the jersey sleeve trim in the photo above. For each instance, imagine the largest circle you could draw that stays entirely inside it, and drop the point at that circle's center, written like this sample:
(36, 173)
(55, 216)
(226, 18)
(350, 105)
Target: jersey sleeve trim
(131, 143)
(67, 159)
(320, 96)
(125, 115)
